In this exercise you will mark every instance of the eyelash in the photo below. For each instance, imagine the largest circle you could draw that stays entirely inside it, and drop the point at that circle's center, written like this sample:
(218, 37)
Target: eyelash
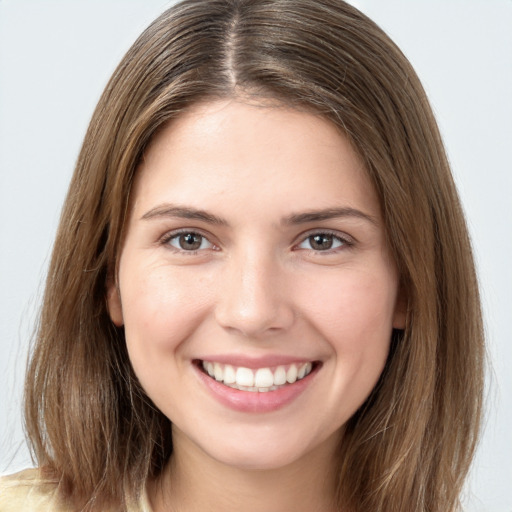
(168, 237)
(345, 242)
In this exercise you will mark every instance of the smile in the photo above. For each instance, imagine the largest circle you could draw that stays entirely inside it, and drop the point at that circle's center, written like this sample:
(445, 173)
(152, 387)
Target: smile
(259, 379)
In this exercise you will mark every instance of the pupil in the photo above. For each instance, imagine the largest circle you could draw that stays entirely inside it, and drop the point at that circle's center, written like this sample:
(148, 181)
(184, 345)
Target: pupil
(321, 242)
(190, 241)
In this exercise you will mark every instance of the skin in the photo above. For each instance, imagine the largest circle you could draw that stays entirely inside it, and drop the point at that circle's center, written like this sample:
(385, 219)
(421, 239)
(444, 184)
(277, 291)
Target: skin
(256, 287)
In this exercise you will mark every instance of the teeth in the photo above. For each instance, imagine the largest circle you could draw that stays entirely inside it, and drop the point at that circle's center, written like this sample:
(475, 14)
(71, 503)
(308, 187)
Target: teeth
(291, 374)
(244, 377)
(217, 371)
(264, 378)
(229, 374)
(280, 376)
(260, 380)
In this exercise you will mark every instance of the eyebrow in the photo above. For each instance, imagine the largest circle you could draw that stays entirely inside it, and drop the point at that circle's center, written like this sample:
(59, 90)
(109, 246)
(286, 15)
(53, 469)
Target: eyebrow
(326, 214)
(187, 212)
(183, 212)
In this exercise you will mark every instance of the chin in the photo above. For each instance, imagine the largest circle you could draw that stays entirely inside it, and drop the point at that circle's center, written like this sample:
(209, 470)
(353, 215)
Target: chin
(262, 452)
(257, 460)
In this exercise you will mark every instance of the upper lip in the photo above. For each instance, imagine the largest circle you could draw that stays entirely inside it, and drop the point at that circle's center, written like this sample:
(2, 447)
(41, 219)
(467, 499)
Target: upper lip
(255, 362)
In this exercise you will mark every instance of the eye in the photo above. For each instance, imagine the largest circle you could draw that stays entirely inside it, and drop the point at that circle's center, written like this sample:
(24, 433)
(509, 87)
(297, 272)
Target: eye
(189, 241)
(322, 242)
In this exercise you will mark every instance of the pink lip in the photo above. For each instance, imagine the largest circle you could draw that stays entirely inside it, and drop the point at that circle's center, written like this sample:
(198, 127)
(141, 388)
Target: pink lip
(255, 402)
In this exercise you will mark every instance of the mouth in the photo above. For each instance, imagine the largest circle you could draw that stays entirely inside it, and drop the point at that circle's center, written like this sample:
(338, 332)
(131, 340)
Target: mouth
(257, 380)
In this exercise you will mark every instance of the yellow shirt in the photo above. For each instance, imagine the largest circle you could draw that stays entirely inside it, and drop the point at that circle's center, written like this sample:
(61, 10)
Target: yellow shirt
(27, 492)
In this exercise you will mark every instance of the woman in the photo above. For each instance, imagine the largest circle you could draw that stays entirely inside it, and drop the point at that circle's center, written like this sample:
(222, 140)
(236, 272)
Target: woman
(262, 292)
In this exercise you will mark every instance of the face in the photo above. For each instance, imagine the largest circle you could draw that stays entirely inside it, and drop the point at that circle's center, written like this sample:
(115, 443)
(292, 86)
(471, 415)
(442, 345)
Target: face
(255, 285)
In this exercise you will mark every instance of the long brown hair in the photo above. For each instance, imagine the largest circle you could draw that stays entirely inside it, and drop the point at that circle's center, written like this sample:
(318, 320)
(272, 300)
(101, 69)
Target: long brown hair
(410, 445)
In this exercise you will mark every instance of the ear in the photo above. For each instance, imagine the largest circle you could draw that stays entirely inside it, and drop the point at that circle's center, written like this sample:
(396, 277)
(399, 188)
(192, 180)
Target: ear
(114, 305)
(400, 313)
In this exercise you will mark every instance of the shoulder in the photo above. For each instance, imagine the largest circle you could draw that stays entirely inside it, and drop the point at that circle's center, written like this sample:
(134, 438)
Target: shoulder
(29, 491)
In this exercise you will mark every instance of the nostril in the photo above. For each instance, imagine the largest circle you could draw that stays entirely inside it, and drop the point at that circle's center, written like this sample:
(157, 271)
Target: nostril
(255, 321)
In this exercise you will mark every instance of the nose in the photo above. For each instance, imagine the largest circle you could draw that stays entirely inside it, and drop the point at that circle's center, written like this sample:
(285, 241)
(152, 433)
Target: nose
(254, 298)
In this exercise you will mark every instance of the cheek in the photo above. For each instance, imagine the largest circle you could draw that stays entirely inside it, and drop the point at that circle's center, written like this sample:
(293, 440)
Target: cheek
(354, 316)
(354, 312)
(161, 309)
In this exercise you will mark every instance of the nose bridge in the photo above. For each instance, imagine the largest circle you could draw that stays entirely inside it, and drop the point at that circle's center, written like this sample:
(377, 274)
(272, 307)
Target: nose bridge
(252, 295)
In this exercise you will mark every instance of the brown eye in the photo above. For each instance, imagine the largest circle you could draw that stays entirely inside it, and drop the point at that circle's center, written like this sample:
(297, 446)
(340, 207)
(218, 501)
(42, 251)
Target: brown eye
(189, 241)
(322, 242)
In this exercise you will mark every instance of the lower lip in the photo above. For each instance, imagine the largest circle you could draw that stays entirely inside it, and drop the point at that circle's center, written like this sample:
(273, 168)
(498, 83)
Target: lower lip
(254, 401)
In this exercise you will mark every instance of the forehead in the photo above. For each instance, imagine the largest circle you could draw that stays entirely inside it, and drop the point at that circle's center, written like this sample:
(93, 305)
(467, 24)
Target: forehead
(250, 153)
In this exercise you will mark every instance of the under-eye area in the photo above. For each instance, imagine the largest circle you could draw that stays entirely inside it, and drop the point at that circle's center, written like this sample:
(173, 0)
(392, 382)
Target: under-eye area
(257, 379)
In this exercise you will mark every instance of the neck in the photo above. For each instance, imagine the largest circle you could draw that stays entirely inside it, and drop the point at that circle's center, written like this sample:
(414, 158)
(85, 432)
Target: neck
(193, 481)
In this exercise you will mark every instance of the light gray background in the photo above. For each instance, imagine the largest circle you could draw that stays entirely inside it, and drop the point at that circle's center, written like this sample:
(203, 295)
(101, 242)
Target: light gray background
(55, 58)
